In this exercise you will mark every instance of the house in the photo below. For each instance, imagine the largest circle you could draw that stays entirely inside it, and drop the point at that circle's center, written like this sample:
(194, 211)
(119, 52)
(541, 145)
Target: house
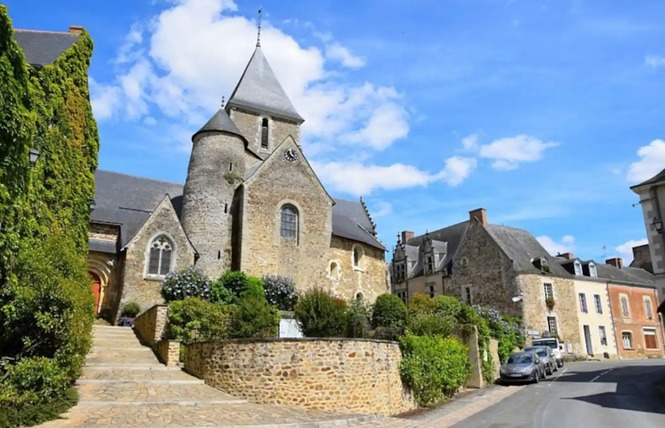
(596, 325)
(491, 265)
(251, 202)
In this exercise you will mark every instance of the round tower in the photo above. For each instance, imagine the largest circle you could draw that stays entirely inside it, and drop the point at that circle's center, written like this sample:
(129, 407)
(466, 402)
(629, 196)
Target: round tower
(216, 168)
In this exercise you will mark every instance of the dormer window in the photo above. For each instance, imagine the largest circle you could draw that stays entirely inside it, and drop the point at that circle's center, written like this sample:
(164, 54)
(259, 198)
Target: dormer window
(592, 270)
(578, 268)
(264, 133)
(429, 264)
(400, 273)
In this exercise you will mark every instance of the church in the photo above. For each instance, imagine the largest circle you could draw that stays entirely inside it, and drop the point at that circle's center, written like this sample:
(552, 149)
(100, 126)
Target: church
(251, 202)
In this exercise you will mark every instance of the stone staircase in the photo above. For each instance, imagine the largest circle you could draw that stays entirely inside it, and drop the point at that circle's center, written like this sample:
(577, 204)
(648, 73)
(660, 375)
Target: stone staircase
(123, 385)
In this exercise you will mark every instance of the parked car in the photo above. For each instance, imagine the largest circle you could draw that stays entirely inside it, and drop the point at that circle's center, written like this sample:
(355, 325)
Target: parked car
(553, 343)
(523, 367)
(545, 353)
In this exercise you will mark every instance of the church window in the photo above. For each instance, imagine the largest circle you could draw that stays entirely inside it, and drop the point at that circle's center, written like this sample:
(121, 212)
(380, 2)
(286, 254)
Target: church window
(289, 222)
(333, 273)
(160, 256)
(264, 133)
(357, 257)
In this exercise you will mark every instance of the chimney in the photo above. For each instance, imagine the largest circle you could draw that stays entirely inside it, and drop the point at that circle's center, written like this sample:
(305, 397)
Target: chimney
(406, 236)
(616, 262)
(567, 256)
(479, 215)
(75, 29)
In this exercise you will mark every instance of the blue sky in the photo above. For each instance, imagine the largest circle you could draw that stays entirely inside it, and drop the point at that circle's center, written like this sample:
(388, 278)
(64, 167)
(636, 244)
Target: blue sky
(543, 112)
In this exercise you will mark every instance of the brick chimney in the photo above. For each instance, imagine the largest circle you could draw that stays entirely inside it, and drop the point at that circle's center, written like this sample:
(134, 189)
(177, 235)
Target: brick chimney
(406, 236)
(479, 215)
(616, 262)
(75, 29)
(567, 256)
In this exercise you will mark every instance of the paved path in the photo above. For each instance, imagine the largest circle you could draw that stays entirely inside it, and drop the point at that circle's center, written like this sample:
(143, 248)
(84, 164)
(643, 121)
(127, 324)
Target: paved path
(123, 385)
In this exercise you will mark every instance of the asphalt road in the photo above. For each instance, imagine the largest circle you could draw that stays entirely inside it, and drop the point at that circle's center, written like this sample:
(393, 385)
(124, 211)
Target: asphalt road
(618, 394)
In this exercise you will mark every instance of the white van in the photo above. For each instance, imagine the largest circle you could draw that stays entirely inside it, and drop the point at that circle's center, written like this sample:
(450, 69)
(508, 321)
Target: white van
(553, 343)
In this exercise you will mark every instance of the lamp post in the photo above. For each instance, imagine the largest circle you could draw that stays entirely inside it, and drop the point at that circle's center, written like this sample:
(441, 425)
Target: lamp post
(34, 155)
(657, 223)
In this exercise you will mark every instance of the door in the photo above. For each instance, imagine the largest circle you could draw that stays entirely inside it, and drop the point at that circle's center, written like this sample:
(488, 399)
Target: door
(587, 340)
(96, 288)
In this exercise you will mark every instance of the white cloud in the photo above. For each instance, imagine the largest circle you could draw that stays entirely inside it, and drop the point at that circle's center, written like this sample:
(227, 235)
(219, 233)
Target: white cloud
(625, 250)
(507, 153)
(456, 170)
(105, 99)
(553, 247)
(381, 209)
(652, 161)
(184, 59)
(654, 61)
(470, 142)
(337, 52)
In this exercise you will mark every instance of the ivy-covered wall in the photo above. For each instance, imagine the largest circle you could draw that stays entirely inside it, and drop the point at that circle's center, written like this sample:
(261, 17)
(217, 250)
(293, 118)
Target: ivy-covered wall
(46, 306)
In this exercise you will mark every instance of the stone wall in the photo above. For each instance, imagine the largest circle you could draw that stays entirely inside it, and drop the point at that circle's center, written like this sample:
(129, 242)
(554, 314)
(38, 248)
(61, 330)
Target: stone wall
(151, 324)
(249, 124)
(347, 281)
(350, 376)
(168, 352)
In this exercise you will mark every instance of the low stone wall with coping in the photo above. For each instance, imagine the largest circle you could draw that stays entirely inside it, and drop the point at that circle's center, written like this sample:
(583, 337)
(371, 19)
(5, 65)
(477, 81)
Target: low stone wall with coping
(151, 326)
(168, 352)
(345, 375)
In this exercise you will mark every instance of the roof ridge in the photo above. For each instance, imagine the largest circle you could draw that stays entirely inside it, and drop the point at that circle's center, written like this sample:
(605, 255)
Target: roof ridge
(140, 176)
(25, 30)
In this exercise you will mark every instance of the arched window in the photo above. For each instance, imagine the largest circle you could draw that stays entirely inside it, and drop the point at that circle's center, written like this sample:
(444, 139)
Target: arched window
(289, 222)
(264, 133)
(357, 257)
(333, 272)
(160, 256)
(360, 297)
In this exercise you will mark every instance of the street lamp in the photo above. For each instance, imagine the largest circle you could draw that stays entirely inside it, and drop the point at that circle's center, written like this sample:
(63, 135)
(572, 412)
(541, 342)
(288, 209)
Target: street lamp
(34, 154)
(92, 204)
(657, 224)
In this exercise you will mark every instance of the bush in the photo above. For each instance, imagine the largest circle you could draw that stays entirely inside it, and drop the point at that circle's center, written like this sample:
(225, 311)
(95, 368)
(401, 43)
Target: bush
(357, 320)
(195, 320)
(420, 303)
(33, 381)
(448, 306)
(433, 367)
(220, 294)
(254, 317)
(130, 309)
(423, 324)
(280, 291)
(389, 311)
(320, 314)
(180, 285)
(12, 415)
(238, 283)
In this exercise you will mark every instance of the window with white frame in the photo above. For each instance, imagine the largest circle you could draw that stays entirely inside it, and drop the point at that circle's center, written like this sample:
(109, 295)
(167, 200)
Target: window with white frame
(582, 298)
(551, 325)
(160, 256)
(648, 309)
(627, 339)
(578, 268)
(592, 270)
(650, 341)
(549, 293)
(599, 305)
(625, 307)
(603, 335)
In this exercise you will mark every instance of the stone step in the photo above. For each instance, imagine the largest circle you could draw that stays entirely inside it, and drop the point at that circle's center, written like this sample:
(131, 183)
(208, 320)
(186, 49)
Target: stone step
(136, 375)
(127, 366)
(124, 357)
(119, 332)
(135, 394)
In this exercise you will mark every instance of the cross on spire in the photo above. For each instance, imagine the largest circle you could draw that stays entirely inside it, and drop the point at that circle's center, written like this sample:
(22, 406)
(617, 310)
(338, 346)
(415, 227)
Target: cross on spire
(258, 33)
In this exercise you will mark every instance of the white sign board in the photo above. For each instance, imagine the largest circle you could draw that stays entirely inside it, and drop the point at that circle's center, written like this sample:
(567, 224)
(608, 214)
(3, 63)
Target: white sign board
(288, 327)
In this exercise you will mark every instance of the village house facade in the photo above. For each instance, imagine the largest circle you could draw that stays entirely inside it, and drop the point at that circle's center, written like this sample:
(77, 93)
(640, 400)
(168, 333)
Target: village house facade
(251, 202)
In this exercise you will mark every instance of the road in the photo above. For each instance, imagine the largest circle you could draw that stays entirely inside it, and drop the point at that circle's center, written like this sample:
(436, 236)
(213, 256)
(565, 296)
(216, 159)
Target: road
(585, 395)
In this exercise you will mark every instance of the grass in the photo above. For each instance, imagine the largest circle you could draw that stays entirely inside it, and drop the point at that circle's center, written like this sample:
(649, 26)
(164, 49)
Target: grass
(11, 417)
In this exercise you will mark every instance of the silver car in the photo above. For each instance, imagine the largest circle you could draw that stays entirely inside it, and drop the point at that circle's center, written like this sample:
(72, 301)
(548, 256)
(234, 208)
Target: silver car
(523, 367)
(545, 353)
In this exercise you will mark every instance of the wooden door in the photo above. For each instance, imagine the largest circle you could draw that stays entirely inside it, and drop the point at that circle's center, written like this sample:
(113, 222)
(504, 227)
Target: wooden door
(96, 290)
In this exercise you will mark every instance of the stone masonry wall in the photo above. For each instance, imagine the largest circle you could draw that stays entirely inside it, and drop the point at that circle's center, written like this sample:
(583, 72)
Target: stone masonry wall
(137, 286)
(346, 281)
(151, 324)
(249, 124)
(351, 376)
(263, 250)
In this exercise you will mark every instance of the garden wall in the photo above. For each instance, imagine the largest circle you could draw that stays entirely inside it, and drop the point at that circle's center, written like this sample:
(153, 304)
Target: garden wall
(151, 326)
(346, 375)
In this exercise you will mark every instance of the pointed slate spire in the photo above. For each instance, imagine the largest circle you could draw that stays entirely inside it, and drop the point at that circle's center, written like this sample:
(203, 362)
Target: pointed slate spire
(220, 122)
(260, 91)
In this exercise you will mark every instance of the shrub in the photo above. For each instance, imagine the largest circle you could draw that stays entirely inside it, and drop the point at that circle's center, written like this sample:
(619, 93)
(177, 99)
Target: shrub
(389, 311)
(420, 303)
(280, 291)
(180, 285)
(320, 314)
(12, 415)
(33, 381)
(433, 367)
(423, 324)
(195, 320)
(238, 283)
(448, 306)
(220, 294)
(130, 309)
(357, 320)
(254, 317)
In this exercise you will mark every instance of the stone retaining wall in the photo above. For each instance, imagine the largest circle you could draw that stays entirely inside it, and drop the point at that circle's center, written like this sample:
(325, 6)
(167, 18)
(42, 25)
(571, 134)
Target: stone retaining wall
(346, 375)
(151, 324)
(168, 352)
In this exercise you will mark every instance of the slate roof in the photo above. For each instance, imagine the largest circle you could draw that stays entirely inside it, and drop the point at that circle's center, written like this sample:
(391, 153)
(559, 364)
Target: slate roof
(522, 247)
(102, 246)
(653, 180)
(128, 200)
(451, 235)
(626, 275)
(349, 220)
(220, 122)
(43, 47)
(259, 89)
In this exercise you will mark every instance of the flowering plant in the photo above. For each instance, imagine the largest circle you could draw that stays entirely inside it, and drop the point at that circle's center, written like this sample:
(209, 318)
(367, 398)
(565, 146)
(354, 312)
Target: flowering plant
(191, 282)
(280, 291)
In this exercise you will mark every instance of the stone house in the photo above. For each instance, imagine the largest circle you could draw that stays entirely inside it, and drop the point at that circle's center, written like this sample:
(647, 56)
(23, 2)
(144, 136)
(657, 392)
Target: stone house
(596, 326)
(251, 202)
(490, 265)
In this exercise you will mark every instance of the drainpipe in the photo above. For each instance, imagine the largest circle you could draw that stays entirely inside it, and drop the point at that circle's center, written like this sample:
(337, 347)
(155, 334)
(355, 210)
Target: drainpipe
(614, 326)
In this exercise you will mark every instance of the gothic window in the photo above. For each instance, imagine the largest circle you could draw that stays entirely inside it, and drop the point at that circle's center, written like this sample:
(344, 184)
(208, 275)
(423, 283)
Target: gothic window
(160, 256)
(289, 222)
(264, 133)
